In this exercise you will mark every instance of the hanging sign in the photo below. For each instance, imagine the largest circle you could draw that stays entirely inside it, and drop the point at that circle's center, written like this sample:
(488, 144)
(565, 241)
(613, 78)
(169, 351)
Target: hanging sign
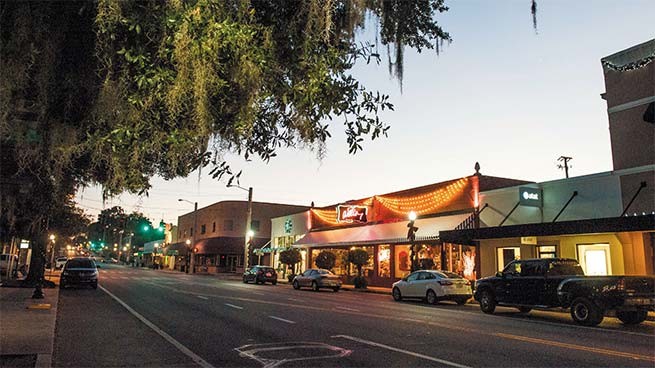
(350, 214)
(529, 240)
(530, 197)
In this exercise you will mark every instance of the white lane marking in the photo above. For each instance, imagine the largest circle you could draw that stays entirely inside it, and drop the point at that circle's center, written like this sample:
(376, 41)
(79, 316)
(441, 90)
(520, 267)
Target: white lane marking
(398, 350)
(195, 357)
(294, 300)
(282, 319)
(252, 351)
(202, 297)
(348, 309)
(233, 306)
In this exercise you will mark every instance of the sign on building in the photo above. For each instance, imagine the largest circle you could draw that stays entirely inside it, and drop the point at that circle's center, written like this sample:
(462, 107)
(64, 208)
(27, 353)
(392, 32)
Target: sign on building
(530, 197)
(350, 214)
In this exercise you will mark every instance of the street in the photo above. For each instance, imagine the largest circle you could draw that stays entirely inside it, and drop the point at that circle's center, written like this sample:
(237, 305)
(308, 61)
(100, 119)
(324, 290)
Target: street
(140, 317)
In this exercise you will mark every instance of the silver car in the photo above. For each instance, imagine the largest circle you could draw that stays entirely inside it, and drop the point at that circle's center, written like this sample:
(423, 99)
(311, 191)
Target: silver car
(317, 278)
(433, 286)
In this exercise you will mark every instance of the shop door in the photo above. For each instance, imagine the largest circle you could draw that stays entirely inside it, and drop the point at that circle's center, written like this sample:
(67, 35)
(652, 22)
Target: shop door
(595, 259)
(231, 265)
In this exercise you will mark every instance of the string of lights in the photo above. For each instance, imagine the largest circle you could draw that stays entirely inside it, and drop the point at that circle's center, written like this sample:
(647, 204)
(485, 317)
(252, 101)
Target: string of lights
(424, 203)
(327, 216)
(630, 66)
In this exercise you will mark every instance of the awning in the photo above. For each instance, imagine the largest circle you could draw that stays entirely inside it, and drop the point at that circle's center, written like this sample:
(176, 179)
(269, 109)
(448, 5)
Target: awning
(175, 249)
(590, 226)
(392, 233)
(227, 245)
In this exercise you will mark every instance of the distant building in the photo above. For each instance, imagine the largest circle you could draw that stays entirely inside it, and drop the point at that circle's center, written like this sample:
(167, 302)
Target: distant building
(219, 240)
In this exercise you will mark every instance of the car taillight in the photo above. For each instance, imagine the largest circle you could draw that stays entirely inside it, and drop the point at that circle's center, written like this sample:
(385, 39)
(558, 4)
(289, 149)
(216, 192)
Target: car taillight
(445, 282)
(620, 285)
(468, 283)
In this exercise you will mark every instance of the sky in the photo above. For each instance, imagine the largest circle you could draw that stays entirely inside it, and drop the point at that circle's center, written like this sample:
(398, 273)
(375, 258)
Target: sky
(500, 94)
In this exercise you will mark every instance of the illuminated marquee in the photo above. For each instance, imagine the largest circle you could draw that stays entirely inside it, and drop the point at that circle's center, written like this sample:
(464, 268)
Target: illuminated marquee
(352, 214)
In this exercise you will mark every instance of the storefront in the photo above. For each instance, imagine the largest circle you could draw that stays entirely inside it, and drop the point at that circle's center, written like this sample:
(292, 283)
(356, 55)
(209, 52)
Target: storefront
(390, 251)
(608, 246)
(603, 220)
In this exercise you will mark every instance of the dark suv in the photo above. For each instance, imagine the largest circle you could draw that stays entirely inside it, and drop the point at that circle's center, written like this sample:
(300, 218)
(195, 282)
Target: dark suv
(79, 271)
(260, 275)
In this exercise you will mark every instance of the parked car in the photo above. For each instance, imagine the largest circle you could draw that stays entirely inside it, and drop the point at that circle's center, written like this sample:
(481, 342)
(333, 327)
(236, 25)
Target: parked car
(561, 283)
(317, 279)
(433, 286)
(60, 262)
(260, 275)
(79, 271)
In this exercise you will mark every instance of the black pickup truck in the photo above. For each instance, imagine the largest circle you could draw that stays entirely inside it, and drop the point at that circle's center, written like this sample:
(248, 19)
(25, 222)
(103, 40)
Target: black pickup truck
(561, 283)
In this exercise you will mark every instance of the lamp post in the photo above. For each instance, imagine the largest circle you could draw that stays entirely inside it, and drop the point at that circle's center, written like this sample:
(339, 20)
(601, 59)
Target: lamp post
(246, 245)
(192, 255)
(411, 236)
(52, 253)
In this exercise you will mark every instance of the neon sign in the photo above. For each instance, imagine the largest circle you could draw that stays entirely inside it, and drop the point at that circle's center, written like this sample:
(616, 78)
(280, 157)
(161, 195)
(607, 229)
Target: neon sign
(350, 214)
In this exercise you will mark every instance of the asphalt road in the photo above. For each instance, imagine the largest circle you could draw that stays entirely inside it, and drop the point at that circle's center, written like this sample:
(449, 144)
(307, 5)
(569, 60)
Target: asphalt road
(152, 318)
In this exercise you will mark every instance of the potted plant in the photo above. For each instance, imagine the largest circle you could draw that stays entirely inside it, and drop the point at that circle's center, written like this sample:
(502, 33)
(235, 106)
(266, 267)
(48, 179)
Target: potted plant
(290, 258)
(326, 260)
(359, 257)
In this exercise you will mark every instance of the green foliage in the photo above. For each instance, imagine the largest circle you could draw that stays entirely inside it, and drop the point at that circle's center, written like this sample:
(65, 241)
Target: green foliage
(115, 92)
(290, 257)
(326, 260)
(359, 257)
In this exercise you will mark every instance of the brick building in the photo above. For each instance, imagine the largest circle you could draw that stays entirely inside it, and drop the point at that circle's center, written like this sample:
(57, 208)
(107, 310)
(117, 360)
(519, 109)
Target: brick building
(219, 239)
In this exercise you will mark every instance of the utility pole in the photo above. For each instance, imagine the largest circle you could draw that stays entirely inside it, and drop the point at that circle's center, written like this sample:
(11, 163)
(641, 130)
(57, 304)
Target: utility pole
(192, 262)
(248, 230)
(565, 164)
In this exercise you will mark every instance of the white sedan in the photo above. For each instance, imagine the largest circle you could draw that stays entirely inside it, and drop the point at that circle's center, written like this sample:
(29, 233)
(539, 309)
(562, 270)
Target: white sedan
(433, 286)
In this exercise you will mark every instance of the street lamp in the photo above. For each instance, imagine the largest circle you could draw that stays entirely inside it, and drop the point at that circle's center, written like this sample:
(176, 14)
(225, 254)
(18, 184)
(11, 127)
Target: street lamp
(411, 236)
(52, 254)
(192, 256)
(248, 224)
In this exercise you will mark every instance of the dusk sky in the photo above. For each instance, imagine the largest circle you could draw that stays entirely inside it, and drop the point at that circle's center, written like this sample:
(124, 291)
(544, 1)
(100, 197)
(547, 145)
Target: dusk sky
(499, 94)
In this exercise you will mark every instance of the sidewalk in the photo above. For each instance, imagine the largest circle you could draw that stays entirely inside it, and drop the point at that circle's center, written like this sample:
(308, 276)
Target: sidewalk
(28, 326)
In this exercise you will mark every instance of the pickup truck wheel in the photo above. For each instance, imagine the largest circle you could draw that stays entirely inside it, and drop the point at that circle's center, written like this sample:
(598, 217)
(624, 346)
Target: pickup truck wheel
(431, 297)
(631, 317)
(585, 312)
(487, 302)
(524, 310)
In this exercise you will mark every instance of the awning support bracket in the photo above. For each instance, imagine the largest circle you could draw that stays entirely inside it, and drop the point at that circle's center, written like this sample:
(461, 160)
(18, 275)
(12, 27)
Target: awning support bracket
(509, 214)
(575, 193)
(641, 186)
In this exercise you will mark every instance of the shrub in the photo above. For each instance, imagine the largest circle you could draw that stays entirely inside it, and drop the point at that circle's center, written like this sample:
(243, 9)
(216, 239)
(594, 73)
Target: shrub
(326, 260)
(290, 258)
(359, 257)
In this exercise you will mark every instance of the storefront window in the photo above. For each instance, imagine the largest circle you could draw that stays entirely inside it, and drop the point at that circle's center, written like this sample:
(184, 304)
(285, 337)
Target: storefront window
(429, 257)
(384, 264)
(402, 261)
(547, 251)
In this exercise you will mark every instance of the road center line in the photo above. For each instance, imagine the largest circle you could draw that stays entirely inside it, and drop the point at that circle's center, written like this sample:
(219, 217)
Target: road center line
(233, 306)
(348, 309)
(282, 319)
(576, 347)
(202, 297)
(195, 357)
(426, 357)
